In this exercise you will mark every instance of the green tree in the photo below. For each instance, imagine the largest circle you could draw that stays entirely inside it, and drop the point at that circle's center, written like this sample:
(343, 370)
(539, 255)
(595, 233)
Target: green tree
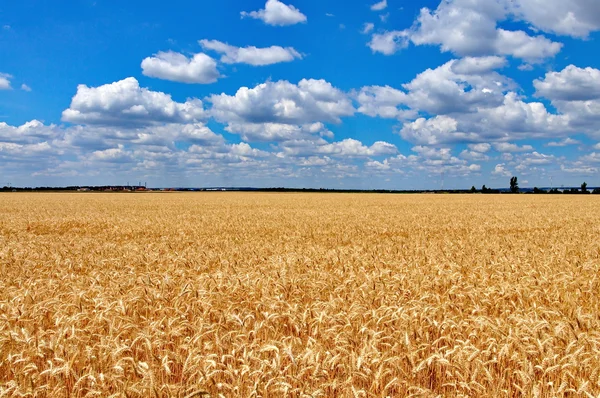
(473, 189)
(514, 185)
(584, 187)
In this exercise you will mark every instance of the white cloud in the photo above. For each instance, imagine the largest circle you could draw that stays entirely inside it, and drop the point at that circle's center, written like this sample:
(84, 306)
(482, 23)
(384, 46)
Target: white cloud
(367, 27)
(597, 146)
(28, 133)
(580, 170)
(592, 158)
(125, 103)
(570, 84)
(501, 170)
(469, 28)
(474, 156)
(277, 132)
(577, 18)
(442, 90)
(478, 65)
(389, 43)
(509, 147)
(277, 13)
(347, 148)
(112, 155)
(381, 101)
(25, 87)
(575, 93)
(5, 81)
(382, 5)
(434, 131)
(178, 68)
(567, 141)
(481, 148)
(251, 55)
(283, 102)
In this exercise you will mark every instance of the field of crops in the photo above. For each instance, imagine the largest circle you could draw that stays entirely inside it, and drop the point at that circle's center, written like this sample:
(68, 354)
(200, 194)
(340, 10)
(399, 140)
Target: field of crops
(299, 295)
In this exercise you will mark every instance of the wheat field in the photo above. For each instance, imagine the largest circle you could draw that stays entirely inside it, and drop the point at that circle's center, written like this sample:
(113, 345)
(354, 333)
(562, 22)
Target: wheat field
(299, 295)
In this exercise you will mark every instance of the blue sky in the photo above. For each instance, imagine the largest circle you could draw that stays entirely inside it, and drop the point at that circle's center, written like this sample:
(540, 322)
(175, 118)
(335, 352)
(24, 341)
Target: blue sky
(353, 94)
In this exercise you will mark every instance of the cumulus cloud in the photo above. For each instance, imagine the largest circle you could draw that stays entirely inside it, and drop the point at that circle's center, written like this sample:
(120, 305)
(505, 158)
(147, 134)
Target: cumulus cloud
(384, 101)
(464, 100)
(509, 147)
(177, 67)
(277, 13)
(25, 87)
(477, 65)
(382, 5)
(28, 133)
(283, 102)
(501, 170)
(481, 148)
(576, 18)
(457, 86)
(125, 103)
(367, 27)
(570, 84)
(5, 81)
(278, 132)
(575, 93)
(437, 130)
(468, 28)
(348, 148)
(567, 141)
(389, 43)
(251, 55)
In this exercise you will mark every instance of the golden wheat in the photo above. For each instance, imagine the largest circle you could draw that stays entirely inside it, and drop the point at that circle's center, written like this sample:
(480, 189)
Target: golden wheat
(299, 295)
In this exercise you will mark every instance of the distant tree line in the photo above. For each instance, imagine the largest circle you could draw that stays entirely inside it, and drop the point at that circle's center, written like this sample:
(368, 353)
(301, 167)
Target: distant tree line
(514, 188)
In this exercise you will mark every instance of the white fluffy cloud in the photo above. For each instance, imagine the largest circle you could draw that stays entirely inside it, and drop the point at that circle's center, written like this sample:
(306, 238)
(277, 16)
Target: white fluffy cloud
(464, 100)
(481, 148)
(277, 13)
(125, 103)
(501, 170)
(562, 143)
(283, 102)
(434, 131)
(478, 65)
(28, 133)
(382, 5)
(577, 18)
(575, 93)
(367, 27)
(251, 55)
(570, 84)
(457, 86)
(178, 68)
(389, 43)
(348, 148)
(468, 28)
(5, 81)
(509, 147)
(277, 132)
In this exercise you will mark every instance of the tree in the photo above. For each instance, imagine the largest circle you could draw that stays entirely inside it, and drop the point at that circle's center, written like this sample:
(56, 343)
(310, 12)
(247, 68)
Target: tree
(473, 189)
(484, 189)
(514, 185)
(584, 187)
